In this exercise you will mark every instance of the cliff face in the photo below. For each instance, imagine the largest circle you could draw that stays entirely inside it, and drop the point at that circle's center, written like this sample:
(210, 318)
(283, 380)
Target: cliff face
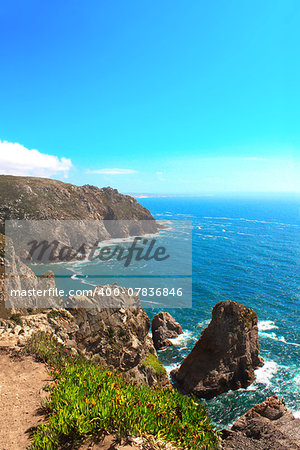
(226, 354)
(118, 337)
(115, 337)
(46, 199)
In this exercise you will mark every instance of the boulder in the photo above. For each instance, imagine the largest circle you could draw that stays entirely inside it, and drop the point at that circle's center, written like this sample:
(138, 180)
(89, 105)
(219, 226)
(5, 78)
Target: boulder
(268, 425)
(226, 354)
(164, 328)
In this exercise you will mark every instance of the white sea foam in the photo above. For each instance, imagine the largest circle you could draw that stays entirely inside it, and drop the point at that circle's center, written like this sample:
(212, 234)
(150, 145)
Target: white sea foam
(252, 387)
(296, 414)
(252, 220)
(296, 379)
(170, 367)
(87, 283)
(277, 338)
(183, 338)
(203, 323)
(265, 373)
(265, 325)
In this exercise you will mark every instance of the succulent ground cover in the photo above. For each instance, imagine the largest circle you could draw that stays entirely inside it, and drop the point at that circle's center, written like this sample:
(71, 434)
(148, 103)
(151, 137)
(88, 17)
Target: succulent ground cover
(87, 399)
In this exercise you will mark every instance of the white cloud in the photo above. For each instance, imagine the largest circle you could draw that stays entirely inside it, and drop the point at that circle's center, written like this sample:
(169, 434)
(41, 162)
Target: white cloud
(112, 171)
(15, 159)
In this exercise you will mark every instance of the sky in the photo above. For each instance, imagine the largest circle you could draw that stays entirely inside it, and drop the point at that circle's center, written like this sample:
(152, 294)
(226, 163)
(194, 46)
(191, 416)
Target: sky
(187, 97)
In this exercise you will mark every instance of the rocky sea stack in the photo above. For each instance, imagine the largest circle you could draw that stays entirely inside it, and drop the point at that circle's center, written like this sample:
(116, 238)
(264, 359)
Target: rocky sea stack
(226, 354)
(164, 328)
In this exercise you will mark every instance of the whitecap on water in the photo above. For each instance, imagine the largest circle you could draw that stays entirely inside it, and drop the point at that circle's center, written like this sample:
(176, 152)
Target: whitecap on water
(170, 367)
(265, 325)
(183, 338)
(203, 323)
(277, 338)
(265, 373)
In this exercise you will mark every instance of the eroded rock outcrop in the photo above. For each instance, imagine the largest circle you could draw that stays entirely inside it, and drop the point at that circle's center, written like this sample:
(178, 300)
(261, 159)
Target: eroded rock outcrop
(226, 354)
(118, 335)
(268, 425)
(164, 328)
(19, 285)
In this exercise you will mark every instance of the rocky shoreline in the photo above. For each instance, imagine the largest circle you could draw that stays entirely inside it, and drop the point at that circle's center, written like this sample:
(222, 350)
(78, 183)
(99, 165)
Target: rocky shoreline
(224, 358)
(119, 339)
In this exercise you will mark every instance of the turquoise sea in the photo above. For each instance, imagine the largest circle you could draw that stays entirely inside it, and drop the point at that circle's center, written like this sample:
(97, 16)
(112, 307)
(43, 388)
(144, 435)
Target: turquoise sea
(246, 250)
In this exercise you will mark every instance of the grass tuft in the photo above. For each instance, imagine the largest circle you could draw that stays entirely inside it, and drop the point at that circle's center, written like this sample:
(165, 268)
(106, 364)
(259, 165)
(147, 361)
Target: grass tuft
(153, 362)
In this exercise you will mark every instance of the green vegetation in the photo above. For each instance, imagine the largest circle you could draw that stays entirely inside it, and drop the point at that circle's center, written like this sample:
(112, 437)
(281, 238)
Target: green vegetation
(248, 316)
(110, 332)
(87, 399)
(154, 362)
(56, 313)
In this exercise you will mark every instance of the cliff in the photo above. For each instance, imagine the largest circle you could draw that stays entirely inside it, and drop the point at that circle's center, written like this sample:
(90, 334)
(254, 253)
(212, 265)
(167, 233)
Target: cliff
(46, 199)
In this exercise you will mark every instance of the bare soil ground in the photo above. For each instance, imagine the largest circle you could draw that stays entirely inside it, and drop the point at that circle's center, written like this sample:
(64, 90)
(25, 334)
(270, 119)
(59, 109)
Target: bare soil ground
(21, 393)
(22, 383)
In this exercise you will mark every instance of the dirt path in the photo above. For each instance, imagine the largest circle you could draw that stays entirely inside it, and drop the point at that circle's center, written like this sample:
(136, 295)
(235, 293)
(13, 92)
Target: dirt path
(21, 392)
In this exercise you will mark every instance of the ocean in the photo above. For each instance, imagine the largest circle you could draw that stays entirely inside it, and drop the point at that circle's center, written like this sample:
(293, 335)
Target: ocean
(246, 250)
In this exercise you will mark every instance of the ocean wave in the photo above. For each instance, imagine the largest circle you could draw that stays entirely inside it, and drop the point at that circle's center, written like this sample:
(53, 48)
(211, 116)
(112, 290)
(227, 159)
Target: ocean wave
(87, 283)
(265, 325)
(296, 379)
(265, 373)
(252, 387)
(252, 220)
(203, 323)
(277, 338)
(183, 339)
(170, 367)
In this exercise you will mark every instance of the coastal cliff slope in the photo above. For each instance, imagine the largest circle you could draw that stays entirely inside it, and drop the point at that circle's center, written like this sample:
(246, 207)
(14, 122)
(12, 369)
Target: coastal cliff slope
(46, 199)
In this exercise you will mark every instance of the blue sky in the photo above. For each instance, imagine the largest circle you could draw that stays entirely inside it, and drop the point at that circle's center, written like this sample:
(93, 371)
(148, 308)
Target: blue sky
(165, 97)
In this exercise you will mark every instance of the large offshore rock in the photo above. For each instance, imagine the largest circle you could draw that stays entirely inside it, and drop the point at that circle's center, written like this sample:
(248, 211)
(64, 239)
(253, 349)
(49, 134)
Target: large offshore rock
(226, 354)
(164, 328)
